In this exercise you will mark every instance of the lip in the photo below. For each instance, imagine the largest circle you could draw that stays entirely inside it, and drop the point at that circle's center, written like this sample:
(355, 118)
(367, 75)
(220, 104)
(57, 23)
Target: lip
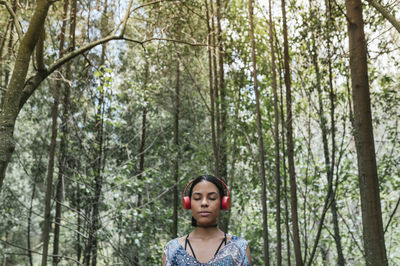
(204, 213)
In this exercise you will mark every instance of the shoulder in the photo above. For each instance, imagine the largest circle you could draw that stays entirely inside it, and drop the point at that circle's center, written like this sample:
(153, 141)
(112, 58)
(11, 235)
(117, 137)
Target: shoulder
(240, 242)
(171, 247)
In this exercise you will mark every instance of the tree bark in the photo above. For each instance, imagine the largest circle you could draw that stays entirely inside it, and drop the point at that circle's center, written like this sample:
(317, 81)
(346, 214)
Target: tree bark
(385, 13)
(341, 260)
(212, 100)
(29, 226)
(260, 140)
(15, 88)
(374, 243)
(50, 168)
(292, 174)
(176, 143)
(285, 189)
(214, 95)
(63, 143)
(276, 140)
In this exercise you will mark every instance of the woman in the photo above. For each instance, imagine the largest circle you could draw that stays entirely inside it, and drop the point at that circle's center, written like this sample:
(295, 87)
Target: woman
(206, 244)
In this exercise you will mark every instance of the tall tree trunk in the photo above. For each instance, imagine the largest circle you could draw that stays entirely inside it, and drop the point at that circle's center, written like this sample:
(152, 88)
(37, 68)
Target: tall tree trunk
(223, 159)
(292, 174)
(215, 93)
(324, 133)
(374, 243)
(340, 258)
(222, 96)
(176, 143)
(61, 162)
(260, 139)
(50, 170)
(91, 249)
(276, 139)
(212, 100)
(285, 187)
(29, 226)
(12, 98)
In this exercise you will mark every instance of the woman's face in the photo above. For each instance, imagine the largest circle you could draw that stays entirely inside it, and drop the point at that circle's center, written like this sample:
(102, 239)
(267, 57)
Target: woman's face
(205, 202)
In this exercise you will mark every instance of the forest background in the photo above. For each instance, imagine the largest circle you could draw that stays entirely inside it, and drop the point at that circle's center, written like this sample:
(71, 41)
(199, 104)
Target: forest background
(109, 108)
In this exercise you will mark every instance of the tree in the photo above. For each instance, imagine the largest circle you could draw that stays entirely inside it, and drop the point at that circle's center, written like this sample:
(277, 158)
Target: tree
(290, 145)
(276, 140)
(374, 243)
(260, 139)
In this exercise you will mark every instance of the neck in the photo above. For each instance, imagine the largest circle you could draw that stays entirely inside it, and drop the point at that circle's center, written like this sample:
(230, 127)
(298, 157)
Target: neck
(206, 232)
(207, 226)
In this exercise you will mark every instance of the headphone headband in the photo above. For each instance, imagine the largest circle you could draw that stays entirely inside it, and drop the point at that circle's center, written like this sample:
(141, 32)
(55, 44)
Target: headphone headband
(225, 202)
(227, 189)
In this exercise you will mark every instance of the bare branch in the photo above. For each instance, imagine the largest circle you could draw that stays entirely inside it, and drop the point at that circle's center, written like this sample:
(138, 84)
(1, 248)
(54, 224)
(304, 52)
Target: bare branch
(14, 16)
(385, 13)
(391, 216)
(171, 40)
(36, 252)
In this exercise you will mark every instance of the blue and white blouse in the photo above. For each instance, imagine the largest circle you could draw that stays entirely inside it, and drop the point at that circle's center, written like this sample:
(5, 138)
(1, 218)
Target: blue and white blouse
(232, 254)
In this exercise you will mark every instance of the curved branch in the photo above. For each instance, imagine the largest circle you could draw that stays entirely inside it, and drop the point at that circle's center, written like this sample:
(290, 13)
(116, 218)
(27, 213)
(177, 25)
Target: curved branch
(14, 16)
(385, 13)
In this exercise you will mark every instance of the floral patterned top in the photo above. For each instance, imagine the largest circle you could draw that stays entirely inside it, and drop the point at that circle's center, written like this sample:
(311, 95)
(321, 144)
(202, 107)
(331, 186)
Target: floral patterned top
(232, 254)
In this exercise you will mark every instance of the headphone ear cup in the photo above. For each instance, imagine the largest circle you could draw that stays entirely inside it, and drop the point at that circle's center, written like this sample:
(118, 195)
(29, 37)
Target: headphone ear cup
(186, 202)
(226, 203)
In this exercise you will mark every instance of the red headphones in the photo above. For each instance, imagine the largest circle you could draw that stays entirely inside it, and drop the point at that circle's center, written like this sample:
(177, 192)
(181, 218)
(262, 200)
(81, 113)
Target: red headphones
(225, 203)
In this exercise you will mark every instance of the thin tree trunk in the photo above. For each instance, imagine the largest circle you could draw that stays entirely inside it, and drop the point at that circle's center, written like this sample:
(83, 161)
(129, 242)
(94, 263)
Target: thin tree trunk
(385, 13)
(341, 259)
(324, 132)
(374, 242)
(176, 142)
(285, 187)
(276, 139)
(223, 160)
(212, 100)
(260, 140)
(50, 170)
(215, 93)
(29, 226)
(61, 162)
(292, 174)
(91, 249)
(222, 96)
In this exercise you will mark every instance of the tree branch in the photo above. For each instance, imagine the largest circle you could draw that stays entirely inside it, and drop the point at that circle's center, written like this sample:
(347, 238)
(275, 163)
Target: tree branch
(14, 16)
(36, 252)
(385, 13)
(391, 216)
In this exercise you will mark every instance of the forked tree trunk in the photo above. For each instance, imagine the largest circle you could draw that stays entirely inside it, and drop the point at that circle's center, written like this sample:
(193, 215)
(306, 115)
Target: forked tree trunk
(12, 98)
(374, 243)
(290, 153)
(260, 140)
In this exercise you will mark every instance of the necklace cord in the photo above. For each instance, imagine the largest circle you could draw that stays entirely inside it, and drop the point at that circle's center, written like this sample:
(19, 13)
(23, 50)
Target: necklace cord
(191, 248)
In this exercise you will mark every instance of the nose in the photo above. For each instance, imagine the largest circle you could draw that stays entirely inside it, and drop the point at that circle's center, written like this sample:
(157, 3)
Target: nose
(204, 202)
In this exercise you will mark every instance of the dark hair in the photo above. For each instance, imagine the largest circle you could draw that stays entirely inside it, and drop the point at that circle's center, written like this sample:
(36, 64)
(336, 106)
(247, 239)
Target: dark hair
(209, 178)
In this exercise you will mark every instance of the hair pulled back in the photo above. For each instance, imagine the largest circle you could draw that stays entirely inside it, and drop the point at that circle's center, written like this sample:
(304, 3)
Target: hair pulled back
(209, 178)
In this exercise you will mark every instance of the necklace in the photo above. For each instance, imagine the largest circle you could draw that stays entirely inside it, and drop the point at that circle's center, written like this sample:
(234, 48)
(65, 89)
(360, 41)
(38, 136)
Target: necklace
(207, 226)
(190, 246)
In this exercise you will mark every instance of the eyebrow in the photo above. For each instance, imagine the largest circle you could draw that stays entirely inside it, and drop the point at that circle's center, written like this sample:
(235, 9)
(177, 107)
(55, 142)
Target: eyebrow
(210, 193)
